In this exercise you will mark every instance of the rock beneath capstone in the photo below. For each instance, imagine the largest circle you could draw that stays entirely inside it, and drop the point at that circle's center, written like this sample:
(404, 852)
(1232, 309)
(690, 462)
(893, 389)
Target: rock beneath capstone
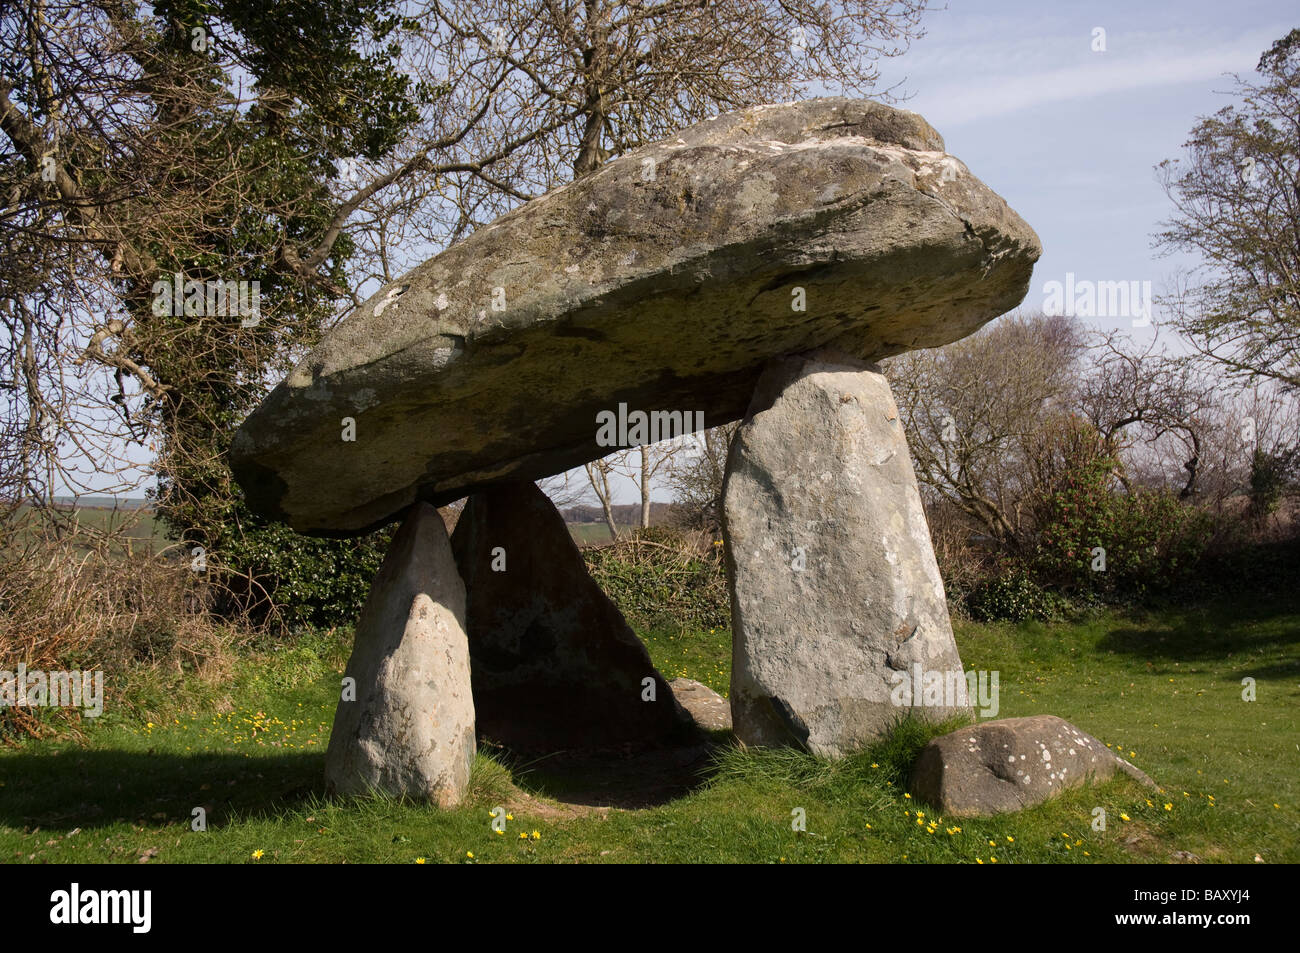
(835, 593)
(710, 710)
(409, 728)
(1009, 764)
(663, 281)
(554, 664)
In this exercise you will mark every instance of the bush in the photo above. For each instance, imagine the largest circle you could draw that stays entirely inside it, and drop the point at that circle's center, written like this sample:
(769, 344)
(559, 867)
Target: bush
(1013, 596)
(76, 600)
(1092, 538)
(274, 572)
(664, 577)
(1099, 541)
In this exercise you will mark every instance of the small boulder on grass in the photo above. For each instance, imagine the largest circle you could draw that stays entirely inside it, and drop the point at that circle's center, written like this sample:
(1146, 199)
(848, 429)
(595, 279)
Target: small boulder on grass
(1010, 764)
(710, 710)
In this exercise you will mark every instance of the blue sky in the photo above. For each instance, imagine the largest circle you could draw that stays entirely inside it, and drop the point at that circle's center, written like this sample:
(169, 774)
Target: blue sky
(1070, 137)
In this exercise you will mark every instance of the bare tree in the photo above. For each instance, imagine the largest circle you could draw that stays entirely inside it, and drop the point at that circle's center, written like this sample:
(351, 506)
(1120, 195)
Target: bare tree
(1237, 206)
(696, 479)
(971, 409)
(1141, 395)
(599, 472)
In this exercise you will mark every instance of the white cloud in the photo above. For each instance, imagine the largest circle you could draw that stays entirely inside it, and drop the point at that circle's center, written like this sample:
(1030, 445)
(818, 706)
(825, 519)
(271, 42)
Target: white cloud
(948, 101)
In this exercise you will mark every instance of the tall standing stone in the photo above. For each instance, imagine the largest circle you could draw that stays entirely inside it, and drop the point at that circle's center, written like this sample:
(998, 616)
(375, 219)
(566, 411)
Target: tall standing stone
(836, 595)
(555, 665)
(408, 728)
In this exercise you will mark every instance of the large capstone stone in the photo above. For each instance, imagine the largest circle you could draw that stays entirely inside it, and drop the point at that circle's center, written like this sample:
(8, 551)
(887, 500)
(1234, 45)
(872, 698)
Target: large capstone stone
(1010, 764)
(555, 666)
(835, 593)
(664, 281)
(405, 719)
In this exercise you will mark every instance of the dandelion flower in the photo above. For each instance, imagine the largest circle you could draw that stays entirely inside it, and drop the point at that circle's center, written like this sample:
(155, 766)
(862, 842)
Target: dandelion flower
(258, 854)
(419, 860)
(537, 835)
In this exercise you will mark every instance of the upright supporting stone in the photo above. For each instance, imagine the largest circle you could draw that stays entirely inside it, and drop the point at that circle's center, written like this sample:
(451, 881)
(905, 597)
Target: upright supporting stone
(405, 723)
(838, 611)
(554, 663)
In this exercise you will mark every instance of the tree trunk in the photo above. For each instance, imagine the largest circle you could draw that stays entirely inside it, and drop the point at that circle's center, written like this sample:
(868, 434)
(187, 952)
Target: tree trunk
(645, 488)
(601, 488)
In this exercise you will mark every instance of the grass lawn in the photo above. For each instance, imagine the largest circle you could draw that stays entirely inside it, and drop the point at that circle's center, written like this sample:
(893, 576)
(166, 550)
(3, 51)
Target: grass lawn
(1164, 688)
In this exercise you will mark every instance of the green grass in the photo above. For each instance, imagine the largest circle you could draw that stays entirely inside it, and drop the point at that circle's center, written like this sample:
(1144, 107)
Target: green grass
(595, 534)
(1166, 687)
(704, 656)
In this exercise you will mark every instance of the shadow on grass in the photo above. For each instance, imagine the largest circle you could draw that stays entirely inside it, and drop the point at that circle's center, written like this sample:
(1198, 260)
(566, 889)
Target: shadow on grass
(1268, 624)
(612, 778)
(99, 788)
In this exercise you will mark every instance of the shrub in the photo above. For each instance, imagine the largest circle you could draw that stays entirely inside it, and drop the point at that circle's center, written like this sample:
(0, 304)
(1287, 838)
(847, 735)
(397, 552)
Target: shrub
(74, 600)
(1093, 538)
(1100, 541)
(664, 577)
(1013, 596)
(273, 572)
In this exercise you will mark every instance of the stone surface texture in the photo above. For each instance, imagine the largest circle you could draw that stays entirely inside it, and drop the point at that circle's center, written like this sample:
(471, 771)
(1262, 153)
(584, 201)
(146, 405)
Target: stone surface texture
(834, 586)
(665, 280)
(554, 664)
(410, 729)
(1010, 764)
(710, 710)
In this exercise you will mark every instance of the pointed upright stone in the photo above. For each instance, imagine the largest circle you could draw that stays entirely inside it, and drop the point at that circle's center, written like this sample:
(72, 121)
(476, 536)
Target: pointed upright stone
(555, 665)
(407, 725)
(837, 605)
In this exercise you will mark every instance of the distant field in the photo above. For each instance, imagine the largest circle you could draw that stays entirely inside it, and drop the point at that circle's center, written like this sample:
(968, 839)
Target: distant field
(594, 534)
(141, 525)
(138, 524)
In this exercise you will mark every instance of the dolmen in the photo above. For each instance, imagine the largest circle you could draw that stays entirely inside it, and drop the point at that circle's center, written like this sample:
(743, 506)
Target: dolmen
(753, 267)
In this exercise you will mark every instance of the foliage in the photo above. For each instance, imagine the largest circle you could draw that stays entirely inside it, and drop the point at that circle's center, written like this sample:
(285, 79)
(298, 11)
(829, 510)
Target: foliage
(1013, 596)
(662, 577)
(301, 580)
(1272, 473)
(1094, 538)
